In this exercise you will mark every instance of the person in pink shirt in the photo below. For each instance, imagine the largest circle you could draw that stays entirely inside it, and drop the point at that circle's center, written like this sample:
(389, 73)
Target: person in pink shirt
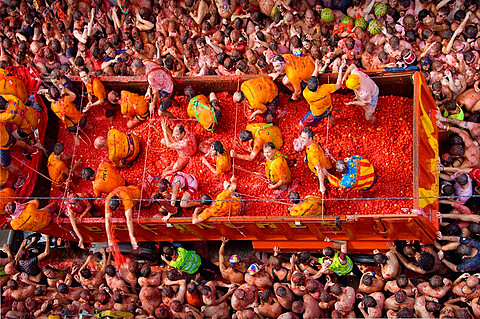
(366, 91)
(180, 140)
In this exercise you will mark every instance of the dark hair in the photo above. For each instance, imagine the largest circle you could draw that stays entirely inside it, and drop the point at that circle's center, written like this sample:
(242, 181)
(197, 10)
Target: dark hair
(313, 84)
(3, 104)
(432, 306)
(86, 273)
(62, 288)
(468, 56)
(369, 301)
(450, 105)
(410, 36)
(191, 287)
(341, 167)
(189, 92)
(462, 179)
(163, 185)
(110, 270)
(325, 296)
(423, 14)
(168, 249)
(474, 228)
(312, 285)
(145, 271)
(176, 305)
(436, 281)
(87, 173)
(205, 199)
(459, 15)
(181, 128)
(402, 281)
(426, 261)
(464, 250)
(470, 31)
(452, 230)
(114, 202)
(168, 291)
(367, 280)
(406, 313)
(336, 290)
(58, 148)
(463, 313)
(12, 284)
(329, 252)
(380, 259)
(245, 136)
(204, 290)
(294, 197)
(269, 145)
(39, 291)
(298, 306)
(400, 296)
(281, 291)
(457, 150)
(117, 297)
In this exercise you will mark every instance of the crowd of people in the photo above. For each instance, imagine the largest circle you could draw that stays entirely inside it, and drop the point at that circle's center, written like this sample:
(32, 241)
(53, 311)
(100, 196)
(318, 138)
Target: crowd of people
(410, 280)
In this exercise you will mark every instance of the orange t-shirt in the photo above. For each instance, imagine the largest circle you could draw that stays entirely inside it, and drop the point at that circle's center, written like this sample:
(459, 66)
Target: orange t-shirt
(133, 105)
(315, 156)
(96, 89)
(263, 133)
(200, 108)
(127, 195)
(31, 218)
(222, 207)
(298, 69)
(66, 112)
(57, 170)
(107, 179)
(5, 198)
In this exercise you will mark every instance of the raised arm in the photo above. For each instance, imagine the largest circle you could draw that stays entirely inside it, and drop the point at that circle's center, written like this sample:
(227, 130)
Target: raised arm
(221, 252)
(47, 249)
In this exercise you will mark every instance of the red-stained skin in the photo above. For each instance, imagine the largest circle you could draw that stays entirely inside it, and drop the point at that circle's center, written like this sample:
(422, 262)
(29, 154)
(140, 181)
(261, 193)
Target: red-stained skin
(388, 147)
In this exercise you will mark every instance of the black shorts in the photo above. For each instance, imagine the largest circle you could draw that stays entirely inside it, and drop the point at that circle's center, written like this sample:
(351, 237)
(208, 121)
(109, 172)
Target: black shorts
(165, 101)
(22, 134)
(6, 155)
(81, 124)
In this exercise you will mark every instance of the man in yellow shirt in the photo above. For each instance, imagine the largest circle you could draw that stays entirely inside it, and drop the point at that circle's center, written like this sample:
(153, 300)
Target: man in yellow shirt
(262, 96)
(225, 204)
(132, 105)
(222, 158)
(127, 197)
(12, 110)
(318, 97)
(310, 206)
(123, 148)
(28, 217)
(314, 155)
(276, 167)
(57, 169)
(257, 134)
(105, 179)
(207, 112)
(296, 70)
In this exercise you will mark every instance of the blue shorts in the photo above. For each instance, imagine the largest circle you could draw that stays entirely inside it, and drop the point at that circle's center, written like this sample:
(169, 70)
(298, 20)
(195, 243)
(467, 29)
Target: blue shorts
(6, 155)
(22, 134)
(374, 101)
(311, 120)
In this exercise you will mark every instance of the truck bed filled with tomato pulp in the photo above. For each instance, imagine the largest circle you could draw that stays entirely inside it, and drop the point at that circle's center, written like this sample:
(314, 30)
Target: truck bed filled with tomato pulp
(393, 146)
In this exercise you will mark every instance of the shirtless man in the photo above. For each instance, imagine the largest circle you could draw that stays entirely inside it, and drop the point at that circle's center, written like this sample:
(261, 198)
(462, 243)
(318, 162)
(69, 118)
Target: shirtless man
(388, 263)
(426, 306)
(398, 301)
(127, 272)
(401, 283)
(258, 277)
(149, 278)
(345, 297)
(85, 276)
(269, 306)
(174, 288)
(123, 300)
(312, 309)
(472, 151)
(151, 298)
(114, 282)
(467, 286)
(230, 273)
(17, 292)
(216, 305)
(436, 287)
(67, 292)
(473, 127)
(284, 295)
(370, 282)
(244, 296)
(372, 305)
(180, 140)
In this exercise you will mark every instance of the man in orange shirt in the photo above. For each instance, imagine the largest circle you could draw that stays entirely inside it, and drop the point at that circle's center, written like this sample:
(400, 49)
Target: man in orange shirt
(222, 158)
(225, 204)
(122, 148)
(206, 111)
(105, 180)
(276, 167)
(132, 105)
(125, 197)
(296, 70)
(310, 206)
(28, 217)
(97, 95)
(257, 134)
(314, 155)
(57, 169)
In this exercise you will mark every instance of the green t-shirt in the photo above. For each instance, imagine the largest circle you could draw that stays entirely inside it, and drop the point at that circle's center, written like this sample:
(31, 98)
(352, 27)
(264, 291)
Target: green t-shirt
(187, 260)
(458, 116)
(337, 267)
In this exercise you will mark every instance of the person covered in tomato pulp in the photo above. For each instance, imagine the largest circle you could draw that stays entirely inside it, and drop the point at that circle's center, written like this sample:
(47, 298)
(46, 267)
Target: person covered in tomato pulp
(28, 217)
(226, 203)
(276, 168)
(205, 110)
(257, 134)
(223, 160)
(97, 94)
(132, 106)
(357, 173)
(160, 88)
(123, 148)
(180, 140)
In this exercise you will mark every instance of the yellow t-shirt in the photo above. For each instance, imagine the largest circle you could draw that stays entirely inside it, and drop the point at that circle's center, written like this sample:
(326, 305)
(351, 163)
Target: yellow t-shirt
(57, 170)
(278, 169)
(66, 112)
(222, 208)
(126, 194)
(315, 156)
(298, 69)
(320, 100)
(259, 91)
(133, 105)
(223, 162)
(307, 207)
(263, 133)
(97, 89)
(31, 218)
(107, 179)
(200, 108)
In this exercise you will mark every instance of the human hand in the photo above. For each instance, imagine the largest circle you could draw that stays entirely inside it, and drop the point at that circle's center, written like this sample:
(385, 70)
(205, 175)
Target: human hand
(276, 249)
(233, 153)
(391, 246)
(224, 239)
(441, 254)
(204, 160)
(439, 235)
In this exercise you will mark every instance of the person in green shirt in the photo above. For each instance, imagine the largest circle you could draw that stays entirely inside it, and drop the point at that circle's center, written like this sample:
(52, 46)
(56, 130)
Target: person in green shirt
(338, 261)
(453, 111)
(188, 261)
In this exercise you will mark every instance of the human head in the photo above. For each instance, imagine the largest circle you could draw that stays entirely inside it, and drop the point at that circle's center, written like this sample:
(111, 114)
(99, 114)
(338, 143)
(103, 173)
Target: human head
(281, 291)
(462, 179)
(189, 92)
(464, 250)
(406, 312)
(341, 167)
(294, 197)
(367, 280)
(241, 294)
(312, 286)
(369, 301)
(168, 291)
(432, 306)
(298, 307)
(336, 290)
(279, 64)
(205, 290)
(58, 148)
(9, 209)
(86, 273)
(298, 278)
(426, 261)
(114, 203)
(113, 97)
(313, 84)
(145, 271)
(39, 290)
(400, 296)
(62, 288)
(87, 174)
(402, 281)
(474, 228)
(12, 284)
(238, 97)
(269, 150)
(163, 185)
(328, 252)
(457, 150)
(205, 200)
(178, 132)
(245, 136)
(472, 282)
(380, 259)
(100, 143)
(110, 270)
